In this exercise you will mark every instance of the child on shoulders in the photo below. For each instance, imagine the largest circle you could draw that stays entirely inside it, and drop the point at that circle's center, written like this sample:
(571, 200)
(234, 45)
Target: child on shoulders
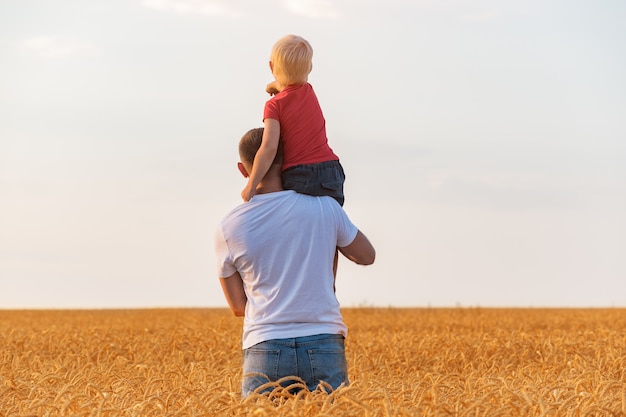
(293, 115)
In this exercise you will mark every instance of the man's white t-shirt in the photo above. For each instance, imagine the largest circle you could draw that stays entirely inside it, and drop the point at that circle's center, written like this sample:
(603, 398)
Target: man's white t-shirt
(283, 244)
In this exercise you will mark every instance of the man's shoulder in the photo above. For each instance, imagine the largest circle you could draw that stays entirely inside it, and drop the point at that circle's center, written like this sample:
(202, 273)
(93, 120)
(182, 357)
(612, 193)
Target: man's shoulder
(288, 200)
(260, 202)
(324, 205)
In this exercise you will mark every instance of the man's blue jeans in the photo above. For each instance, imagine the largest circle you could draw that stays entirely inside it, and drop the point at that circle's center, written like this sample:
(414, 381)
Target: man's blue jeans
(314, 359)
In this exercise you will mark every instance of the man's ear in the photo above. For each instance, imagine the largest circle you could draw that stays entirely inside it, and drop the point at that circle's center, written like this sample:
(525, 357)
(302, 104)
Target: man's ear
(243, 170)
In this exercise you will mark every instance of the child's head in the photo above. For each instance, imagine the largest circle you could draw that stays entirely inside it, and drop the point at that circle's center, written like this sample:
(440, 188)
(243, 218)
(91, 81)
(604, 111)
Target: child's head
(291, 60)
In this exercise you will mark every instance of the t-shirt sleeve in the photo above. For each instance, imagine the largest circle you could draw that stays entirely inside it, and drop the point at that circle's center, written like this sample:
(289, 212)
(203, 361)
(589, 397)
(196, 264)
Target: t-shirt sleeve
(346, 230)
(225, 264)
(271, 110)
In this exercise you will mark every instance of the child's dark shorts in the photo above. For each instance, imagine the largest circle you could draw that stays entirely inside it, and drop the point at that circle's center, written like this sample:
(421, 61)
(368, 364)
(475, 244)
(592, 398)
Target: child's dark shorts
(323, 179)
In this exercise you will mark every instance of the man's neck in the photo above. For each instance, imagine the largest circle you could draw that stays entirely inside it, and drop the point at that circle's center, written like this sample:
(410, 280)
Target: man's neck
(271, 185)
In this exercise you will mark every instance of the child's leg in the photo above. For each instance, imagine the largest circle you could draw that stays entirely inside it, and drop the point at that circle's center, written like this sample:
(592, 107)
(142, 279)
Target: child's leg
(323, 179)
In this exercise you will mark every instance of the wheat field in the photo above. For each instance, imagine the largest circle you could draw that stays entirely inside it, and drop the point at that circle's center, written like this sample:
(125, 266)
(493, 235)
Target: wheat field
(402, 362)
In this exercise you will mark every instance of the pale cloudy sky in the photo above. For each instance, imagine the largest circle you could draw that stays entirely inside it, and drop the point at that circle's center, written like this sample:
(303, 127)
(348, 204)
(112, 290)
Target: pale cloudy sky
(483, 141)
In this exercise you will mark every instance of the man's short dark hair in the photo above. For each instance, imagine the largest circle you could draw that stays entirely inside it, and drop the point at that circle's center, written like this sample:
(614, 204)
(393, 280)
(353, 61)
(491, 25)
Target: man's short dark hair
(250, 144)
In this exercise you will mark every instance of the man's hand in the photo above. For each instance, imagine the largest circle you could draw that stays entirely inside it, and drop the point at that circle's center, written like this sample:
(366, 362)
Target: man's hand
(273, 88)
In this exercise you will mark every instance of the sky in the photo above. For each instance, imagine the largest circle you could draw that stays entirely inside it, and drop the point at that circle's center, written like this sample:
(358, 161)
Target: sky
(484, 144)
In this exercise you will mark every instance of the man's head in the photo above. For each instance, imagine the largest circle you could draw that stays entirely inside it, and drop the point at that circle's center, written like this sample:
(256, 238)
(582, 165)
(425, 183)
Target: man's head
(291, 60)
(249, 145)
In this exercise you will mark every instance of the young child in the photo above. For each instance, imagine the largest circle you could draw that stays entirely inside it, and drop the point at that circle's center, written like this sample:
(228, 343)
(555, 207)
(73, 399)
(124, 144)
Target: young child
(293, 116)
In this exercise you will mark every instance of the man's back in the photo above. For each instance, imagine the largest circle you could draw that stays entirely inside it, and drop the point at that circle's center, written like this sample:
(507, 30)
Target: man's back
(282, 244)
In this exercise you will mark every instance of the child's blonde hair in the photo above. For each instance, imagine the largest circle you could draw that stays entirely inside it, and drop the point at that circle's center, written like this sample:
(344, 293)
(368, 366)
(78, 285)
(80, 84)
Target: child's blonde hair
(292, 58)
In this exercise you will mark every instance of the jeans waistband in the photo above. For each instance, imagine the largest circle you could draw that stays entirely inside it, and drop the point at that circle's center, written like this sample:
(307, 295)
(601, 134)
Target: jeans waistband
(302, 340)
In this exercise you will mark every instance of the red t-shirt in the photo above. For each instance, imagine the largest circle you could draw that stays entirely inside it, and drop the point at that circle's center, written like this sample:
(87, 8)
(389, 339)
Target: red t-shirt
(302, 126)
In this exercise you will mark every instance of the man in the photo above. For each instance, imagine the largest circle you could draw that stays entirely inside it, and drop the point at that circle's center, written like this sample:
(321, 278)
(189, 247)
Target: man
(275, 262)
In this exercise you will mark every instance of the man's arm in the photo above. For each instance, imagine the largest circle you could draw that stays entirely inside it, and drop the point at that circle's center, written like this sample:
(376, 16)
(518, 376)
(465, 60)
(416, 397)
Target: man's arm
(360, 251)
(234, 293)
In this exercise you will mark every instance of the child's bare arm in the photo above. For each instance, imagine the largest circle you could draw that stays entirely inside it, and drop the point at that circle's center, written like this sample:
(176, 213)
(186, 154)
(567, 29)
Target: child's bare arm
(264, 157)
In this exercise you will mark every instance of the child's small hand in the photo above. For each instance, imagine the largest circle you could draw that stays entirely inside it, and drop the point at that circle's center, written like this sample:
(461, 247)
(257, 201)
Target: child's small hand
(248, 193)
(273, 88)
